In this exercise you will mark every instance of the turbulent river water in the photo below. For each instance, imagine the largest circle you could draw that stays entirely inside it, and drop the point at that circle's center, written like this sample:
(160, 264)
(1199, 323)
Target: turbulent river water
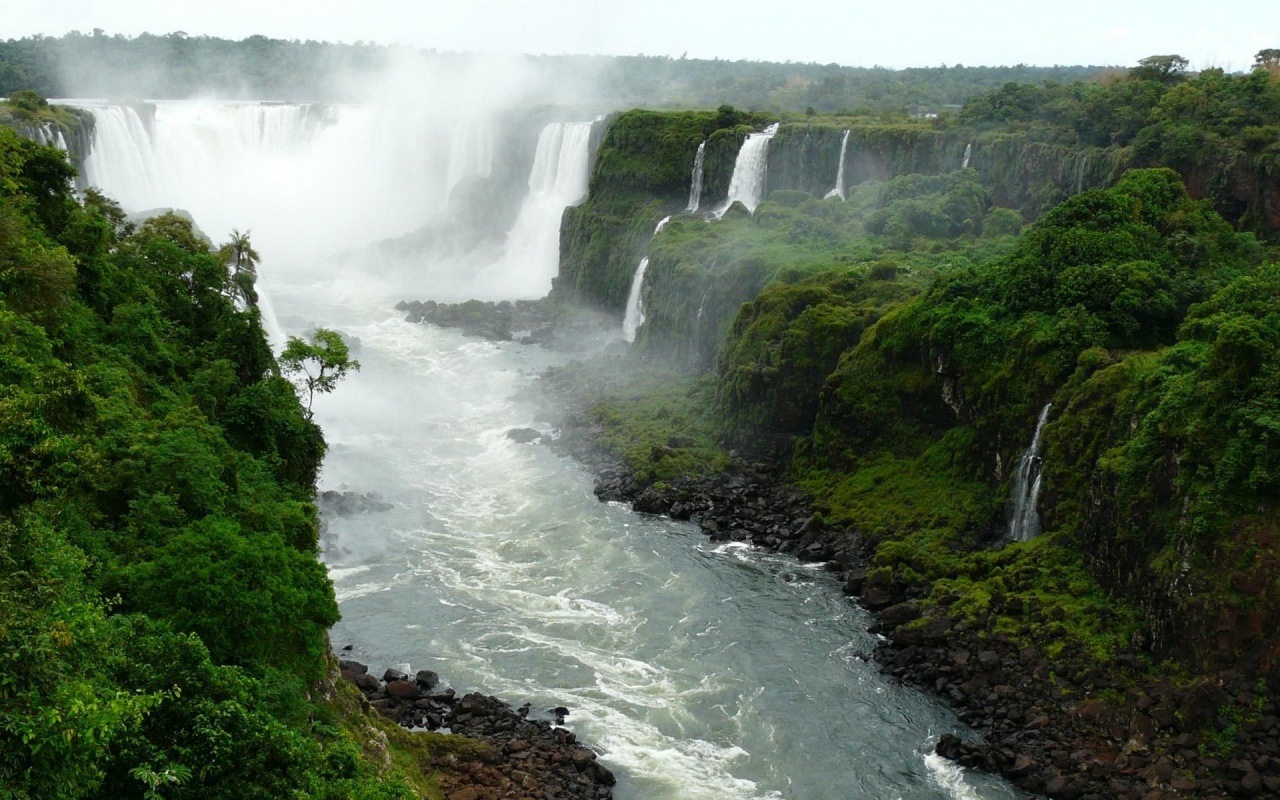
(699, 671)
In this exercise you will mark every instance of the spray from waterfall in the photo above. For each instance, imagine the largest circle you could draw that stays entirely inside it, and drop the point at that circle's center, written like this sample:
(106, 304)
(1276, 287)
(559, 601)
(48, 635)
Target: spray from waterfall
(695, 183)
(750, 171)
(839, 190)
(634, 317)
(1024, 519)
(968, 153)
(302, 174)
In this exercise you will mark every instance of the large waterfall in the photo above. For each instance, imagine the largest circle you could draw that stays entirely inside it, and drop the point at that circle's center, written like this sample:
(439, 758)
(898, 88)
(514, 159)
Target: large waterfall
(749, 171)
(634, 317)
(1024, 519)
(838, 191)
(695, 182)
(558, 180)
(314, 180)
(314, 175)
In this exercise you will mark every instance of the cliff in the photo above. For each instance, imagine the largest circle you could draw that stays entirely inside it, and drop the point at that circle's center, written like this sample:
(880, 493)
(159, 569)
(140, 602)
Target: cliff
(641, 174)
(69, 129)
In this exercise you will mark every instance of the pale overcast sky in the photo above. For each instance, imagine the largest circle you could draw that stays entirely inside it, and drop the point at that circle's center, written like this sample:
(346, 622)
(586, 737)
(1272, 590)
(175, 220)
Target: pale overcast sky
(892, 34)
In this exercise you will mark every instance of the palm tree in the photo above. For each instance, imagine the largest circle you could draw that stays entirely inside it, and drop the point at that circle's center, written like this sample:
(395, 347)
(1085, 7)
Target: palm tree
(241, 261)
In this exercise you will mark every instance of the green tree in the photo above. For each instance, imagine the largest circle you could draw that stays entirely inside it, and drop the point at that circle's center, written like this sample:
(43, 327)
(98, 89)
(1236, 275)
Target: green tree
(323, 361)
(1168, 69)
(28, 100)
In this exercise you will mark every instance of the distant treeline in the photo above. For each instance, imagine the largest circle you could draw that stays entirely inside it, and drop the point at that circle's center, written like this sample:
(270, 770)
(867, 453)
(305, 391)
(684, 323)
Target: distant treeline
(178, 65)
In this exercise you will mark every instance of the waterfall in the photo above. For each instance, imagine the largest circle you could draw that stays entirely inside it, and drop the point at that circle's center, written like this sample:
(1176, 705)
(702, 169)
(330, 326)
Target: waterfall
(749, 171)
(1024, 519)
(634, 317)
(557, 180)
(315, 175)
(702, 304)
(695, 183)
(839, 190)
(471, 154)
(1082, 166)
(635, 305)
(319, 181)
(968, 153)
(50, 135)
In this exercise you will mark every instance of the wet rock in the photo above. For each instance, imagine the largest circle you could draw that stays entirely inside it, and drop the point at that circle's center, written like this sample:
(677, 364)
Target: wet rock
(403, 690)
(427, 679)
(524, 758)
(523, 435)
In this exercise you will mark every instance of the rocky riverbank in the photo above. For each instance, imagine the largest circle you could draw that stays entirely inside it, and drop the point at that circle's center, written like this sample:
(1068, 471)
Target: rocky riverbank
(524, 755)
(1063, 727)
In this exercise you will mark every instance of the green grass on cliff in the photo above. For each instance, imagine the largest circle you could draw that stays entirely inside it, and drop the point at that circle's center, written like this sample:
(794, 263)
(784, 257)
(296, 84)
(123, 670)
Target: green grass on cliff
(655, 420)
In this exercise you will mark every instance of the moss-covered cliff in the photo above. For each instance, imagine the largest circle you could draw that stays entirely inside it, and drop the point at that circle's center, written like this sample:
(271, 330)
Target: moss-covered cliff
(70, 129)
(641, 173)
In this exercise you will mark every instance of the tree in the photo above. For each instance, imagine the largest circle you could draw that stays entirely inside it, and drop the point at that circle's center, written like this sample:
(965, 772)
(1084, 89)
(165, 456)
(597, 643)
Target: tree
(28, 100)
(241, 261)
(326, 353)
(1168, 69)
(1268, 59)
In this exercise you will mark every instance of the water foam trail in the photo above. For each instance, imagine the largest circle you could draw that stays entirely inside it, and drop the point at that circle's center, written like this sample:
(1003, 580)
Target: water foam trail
(950, 777)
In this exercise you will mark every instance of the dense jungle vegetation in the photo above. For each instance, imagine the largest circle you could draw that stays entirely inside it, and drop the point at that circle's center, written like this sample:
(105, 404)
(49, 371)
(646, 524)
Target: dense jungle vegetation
(163, 614)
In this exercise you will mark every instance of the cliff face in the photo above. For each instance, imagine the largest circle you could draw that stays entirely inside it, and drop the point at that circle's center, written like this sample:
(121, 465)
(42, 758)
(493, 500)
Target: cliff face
(1018, 170)
(68, 128)
(644, 164)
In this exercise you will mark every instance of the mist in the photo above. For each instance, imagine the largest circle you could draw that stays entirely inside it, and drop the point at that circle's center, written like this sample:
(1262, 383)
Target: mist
(326, 190)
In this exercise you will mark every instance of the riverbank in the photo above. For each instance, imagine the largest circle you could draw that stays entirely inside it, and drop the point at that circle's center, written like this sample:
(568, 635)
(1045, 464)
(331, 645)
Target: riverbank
(513, 752)
(1057, 721)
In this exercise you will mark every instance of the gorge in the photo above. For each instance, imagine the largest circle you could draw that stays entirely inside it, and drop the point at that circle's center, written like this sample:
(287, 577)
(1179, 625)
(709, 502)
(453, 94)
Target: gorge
(496, 566)
(1019, 409)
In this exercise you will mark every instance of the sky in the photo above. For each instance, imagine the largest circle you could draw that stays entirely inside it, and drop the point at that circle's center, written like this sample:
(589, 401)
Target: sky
(918, 33)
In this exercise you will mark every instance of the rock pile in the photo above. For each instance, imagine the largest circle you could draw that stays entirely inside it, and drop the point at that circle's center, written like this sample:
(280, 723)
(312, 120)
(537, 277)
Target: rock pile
(527, 755)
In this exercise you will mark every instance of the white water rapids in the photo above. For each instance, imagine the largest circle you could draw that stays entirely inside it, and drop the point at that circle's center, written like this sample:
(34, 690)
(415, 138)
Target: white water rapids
(699, 671)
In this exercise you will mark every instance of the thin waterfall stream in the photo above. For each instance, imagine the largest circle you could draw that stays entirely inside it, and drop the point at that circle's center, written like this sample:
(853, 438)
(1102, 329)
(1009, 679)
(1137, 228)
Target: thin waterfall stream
(634, 316)
(839, 190)
(1024, 518)
(695, 180)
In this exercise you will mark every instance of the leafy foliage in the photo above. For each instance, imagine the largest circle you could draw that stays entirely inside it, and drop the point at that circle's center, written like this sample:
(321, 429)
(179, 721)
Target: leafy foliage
(321, 363)
(162, 610)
